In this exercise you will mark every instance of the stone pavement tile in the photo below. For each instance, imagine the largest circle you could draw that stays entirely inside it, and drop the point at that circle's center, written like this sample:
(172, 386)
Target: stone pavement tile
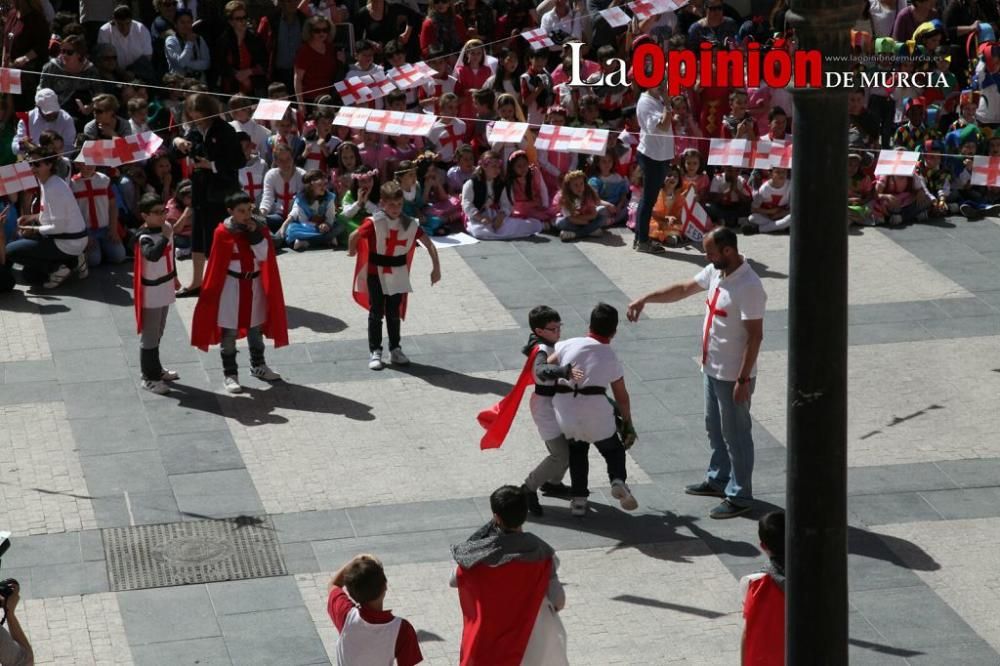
(134, 472)
(188, 453)
(874, 313)
(321, 308)
(608, 618)
(928, 622)
(44, 550)
(88, 365)
(312, 526)
(484, 341)
(195, 652)
(891, 508)
(940, 250)
(873, 565)
(43, 488)
(963, 327)
(138, 509)
(391, 548)
(289, 638)
(964, 503)
(168, 614)
(92, 545)
(298, 557)
(868, 648)
(965, 575)
(885, 332)
(975, 276)
(908, 402)
(22, 330)
(654, 365)
(671, 451)
(897, 478)
(965, 307)
(19, 372)
(414, 517)
(221, 494)
(101, 399)
(76, 630)
(64, 580)
(72, 307)
(680, 396)
(249, 596)
(387, 431)
(27, 392)
(972, 473)
(871, 257)
(79, 334)
(113, 434)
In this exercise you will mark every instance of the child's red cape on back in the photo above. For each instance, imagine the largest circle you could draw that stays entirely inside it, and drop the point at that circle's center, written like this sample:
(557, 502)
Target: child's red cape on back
(498, 419)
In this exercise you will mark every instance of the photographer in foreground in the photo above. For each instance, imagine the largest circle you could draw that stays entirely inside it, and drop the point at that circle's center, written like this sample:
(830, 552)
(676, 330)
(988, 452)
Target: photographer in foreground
(15, 650)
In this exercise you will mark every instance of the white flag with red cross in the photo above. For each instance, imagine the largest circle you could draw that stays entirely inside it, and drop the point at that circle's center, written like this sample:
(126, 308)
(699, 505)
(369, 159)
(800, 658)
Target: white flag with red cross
(555, 138)
(10, 81)
(380, 84)
(354, 91)
(408, 76)
(695, 219)
(148, 142)
(758, 155)
(728, 152)
(271, 109)
(781, 154)
(505, 131)
(16, 178)
(897, 163)
(589, 140)
(398, 123)
(615, 16)
(352, 116)
(120, 150)
(538, 39)
(644, 9)
(416, 124)
(986, 171)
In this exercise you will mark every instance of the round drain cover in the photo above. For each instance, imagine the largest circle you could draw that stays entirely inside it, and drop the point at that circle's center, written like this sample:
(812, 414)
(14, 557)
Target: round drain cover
(192, 550)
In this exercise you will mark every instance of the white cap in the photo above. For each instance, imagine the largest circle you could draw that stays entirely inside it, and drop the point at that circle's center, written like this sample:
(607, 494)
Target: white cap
(46, 101)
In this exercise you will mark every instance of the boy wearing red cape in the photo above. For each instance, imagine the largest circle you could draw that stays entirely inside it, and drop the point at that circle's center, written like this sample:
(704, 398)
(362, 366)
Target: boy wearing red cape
(546, 328)
(153, 285)
(509, 590)
(384, 245)
(241, 295)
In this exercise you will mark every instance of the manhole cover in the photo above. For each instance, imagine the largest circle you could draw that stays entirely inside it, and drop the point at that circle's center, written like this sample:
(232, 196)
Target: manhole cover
(187, 553)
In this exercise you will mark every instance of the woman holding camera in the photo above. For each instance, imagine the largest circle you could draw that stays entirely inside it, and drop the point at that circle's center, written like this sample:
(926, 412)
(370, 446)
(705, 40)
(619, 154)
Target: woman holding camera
(216, 156)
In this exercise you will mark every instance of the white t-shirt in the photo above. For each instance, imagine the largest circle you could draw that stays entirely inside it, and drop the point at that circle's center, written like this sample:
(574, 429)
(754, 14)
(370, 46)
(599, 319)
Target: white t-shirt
(736, 298)
(654, 143)
(587, 418)
(769, 195)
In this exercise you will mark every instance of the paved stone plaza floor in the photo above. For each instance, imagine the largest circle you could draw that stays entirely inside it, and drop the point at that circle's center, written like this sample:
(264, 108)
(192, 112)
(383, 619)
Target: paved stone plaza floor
(339, 460)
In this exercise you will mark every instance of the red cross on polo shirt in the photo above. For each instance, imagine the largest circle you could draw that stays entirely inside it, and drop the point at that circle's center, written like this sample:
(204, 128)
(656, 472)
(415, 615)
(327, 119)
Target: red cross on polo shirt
(712, 313)
(286, 197)
(988, 168)
(450, 139)
(252, 188)
(391, 243)
(90, 194)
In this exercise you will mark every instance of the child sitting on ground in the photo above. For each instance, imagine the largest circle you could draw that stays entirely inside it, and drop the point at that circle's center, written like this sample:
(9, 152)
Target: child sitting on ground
(665, 224)
(313, 220)
(581, 211)
(771, 209)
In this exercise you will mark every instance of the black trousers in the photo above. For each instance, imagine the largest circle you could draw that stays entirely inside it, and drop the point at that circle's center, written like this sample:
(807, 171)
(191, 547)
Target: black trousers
(579, 462)
(381, 306)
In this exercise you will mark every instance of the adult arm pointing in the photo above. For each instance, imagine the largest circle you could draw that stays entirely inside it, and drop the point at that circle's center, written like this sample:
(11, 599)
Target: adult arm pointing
(670, 294)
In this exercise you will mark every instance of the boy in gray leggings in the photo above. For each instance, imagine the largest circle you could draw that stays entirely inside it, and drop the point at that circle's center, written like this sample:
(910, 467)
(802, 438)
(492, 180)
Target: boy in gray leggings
(154, 284)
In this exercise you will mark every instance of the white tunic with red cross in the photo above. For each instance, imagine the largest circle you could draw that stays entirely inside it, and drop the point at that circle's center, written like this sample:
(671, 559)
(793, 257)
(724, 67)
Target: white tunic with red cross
(436, 86)
(314, 155)
(279, 194)
(157, 295)
(243, 303)
(447, 136)
(94, 197)
(392, 240)
(252, 179)
(732, 300)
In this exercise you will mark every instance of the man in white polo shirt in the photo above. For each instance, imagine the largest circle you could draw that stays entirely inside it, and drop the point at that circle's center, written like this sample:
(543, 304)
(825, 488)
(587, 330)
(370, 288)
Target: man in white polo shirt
(731, 337)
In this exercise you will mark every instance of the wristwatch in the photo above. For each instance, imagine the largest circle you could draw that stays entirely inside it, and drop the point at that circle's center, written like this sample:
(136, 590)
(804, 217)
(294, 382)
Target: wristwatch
(743, 380)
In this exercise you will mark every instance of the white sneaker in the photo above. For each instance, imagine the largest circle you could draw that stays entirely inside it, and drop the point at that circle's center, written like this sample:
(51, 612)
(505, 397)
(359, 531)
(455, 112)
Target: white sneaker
(232, 384)
(155, 386)
(375, 360)
(82, 269)
(300, 245)
(578, 506)
(621, 492)
(265, 373)
(57, 277)
(567, 236)
(397, 357)
(597, 233)
(169, 376)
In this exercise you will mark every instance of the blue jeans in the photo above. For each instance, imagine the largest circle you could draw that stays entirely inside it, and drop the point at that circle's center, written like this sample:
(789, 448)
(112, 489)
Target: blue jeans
(728, 424)
(563, 223)
(101, 248)
(654, 172)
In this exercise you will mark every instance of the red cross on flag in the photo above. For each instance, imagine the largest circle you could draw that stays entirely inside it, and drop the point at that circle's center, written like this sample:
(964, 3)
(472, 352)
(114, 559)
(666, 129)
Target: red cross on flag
(695, 220)
(10, 81)
(16, 177)
(643, 9)
(896, 163)
(426, 69)
(728, 152)
(353, 117)
(589, 141)
(781, 154)
(380, 85)
(555, 138)
(664, 6)
(538, 39)
(986, 171)
(758, 155)
(271, 109)
(99, 153)
(408, 76)
(417, 124)
(615, 16)
(354, 91)
(505, 131)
